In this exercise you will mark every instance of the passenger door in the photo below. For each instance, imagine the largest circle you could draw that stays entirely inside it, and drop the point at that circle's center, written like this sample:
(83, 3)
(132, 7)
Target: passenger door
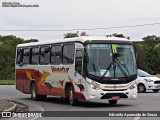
(80, 83)
(79, 66)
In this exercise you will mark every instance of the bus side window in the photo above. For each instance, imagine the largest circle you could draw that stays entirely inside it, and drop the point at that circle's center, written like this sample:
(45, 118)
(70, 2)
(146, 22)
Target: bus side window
(44, 55)
(53, 55)
(35, 56)
(42, 51)
(68, 54)
(47, 55)
(19, 56)
(26, 56)
(56, 54)
(78, 61)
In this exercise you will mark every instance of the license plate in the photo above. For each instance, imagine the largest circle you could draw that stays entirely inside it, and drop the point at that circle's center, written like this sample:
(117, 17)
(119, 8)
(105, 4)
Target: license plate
(115, 98)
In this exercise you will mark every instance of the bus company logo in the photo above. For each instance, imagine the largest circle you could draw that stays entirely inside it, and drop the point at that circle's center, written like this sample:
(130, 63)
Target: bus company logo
(59, 70)
(114, 86)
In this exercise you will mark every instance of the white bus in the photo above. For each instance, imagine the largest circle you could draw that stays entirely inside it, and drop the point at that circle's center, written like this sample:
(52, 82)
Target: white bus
(80, 68)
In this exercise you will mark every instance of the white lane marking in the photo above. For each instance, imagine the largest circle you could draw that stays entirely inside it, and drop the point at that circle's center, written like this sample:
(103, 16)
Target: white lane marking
(136, 118)
(34, 118)
(41, 109)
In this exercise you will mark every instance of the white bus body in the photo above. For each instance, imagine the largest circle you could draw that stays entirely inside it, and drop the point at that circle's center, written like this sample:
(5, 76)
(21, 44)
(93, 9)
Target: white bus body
(81, 68)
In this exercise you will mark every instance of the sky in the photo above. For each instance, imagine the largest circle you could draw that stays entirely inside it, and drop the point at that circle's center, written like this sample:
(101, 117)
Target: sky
(62, 15)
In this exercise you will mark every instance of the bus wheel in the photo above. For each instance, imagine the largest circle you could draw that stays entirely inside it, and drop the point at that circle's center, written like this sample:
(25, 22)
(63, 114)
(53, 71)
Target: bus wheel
(141, 88)
(72, 101)
(155, 90)
(34, 95)
(112, 102)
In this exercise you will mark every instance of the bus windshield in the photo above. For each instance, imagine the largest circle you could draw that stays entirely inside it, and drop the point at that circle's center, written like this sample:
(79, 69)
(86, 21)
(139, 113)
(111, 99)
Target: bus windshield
(103, 61)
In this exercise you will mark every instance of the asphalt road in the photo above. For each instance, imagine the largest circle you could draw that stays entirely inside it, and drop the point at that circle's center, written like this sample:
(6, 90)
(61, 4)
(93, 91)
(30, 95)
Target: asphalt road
(145, 102)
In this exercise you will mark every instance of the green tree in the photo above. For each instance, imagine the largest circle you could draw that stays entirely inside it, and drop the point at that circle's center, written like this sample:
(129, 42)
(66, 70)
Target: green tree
(140, 56)
(7, 55)
(70, 35)
(118, 35)
(83, 34)
(148, 54)
(77, 34)
(152, 59)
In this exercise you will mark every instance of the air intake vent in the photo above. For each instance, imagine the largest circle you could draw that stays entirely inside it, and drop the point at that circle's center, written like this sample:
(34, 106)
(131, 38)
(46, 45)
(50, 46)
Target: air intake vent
(157, 82)
(110, 95)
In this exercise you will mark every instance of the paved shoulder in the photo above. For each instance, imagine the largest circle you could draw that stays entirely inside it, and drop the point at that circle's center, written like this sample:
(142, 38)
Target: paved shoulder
(6, 105)
(12, 106)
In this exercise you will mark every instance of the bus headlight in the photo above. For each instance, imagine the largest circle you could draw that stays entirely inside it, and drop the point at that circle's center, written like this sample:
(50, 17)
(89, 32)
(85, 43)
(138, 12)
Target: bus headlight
(94, 85)
(133, 86)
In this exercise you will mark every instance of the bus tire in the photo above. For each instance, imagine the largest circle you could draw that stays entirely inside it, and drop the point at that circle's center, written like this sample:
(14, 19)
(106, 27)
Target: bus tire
(72, 101)
(112, 102)
(34, 95)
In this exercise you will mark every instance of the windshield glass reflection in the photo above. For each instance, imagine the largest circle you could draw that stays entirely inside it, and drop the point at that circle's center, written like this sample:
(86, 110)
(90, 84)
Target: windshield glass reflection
(103, 62)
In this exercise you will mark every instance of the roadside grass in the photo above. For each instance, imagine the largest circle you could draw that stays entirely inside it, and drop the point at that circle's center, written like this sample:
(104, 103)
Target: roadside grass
(7, 81)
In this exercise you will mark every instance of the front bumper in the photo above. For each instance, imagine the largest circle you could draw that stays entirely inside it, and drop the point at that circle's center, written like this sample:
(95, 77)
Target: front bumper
(151, 86)
(104, 94)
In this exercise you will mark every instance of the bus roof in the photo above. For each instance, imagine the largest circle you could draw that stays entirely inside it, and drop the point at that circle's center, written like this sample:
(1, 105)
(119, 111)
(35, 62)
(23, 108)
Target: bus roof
(78, 39)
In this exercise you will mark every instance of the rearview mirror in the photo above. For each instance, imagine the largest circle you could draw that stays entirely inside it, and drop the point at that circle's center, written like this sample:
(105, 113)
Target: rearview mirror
(86, 59)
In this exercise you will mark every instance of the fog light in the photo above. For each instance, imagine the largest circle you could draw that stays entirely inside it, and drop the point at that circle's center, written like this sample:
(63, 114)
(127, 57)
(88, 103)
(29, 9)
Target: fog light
(92, 96)
(135, 95)
(102, 93)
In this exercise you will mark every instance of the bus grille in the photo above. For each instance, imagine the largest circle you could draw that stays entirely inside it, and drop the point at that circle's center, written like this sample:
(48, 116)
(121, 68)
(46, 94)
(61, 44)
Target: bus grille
(114, 89)
(157, 82)
(110, 95)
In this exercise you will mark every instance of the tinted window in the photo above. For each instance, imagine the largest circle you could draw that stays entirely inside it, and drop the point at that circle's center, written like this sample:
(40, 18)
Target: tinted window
(78, 61)
(25, 56)
(68, 54)
(19, 56)
(142, 73)
(44, 55)
(35, 56)
(56, 54)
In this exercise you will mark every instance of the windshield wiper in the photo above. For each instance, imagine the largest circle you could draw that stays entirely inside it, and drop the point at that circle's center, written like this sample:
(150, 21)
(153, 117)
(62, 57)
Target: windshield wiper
(106, 70)
(117, 61)
(123, 65)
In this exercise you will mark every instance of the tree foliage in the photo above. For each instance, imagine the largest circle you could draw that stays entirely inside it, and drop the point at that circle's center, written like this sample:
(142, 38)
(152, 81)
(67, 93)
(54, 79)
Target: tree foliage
(83, 34)
(148, 54)
(7, 55)
(70, 35)
(118, 35)
(76, 34)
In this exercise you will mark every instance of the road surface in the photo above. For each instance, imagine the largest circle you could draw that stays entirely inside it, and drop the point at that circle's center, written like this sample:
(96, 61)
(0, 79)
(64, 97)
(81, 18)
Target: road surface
(145, 102)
